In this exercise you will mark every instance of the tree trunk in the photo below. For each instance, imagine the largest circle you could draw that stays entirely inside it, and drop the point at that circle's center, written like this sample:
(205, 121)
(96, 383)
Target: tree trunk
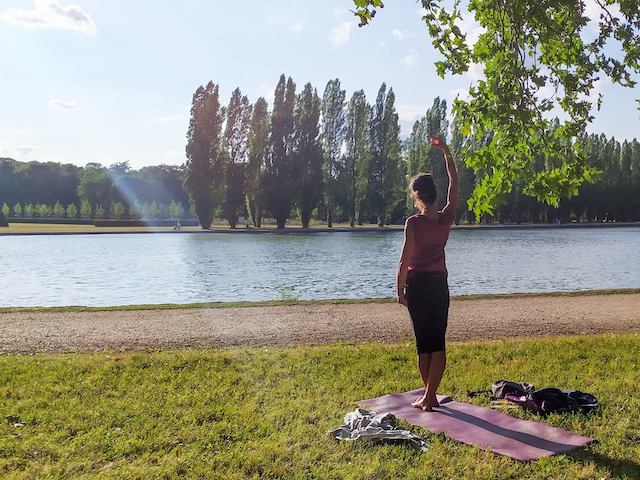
(305, 218)
(258, 219)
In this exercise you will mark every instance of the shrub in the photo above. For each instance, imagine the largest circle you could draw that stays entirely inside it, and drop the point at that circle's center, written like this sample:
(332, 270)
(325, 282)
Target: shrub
(17, 210)
(58, 210)
(85, 209)
(176, 210)
(72, 210)
(117, 210)
(43, 210)
(100, 212)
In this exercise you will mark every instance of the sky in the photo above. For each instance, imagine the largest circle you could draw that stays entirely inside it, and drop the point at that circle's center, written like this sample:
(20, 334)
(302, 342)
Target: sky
(111, 81)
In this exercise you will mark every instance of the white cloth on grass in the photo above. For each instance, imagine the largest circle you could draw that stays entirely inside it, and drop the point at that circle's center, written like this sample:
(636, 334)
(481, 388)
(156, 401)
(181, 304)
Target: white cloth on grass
(362, 424)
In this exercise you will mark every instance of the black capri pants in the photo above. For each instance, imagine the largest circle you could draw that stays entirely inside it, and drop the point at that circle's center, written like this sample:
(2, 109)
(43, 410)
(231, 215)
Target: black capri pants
(428, 304)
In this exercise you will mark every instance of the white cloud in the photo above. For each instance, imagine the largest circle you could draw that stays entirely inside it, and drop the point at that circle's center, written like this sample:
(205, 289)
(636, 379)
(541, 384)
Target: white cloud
(180, 116)
(268, 93)
(593, 11)
(286, 22)
(476, 72)
(340, 34)
(461, 93)
(600, 86)
(51, 14)
(402, 34)
(14, 132)
(17, 151)
(411, 113)
(62, 104)
(339, 11)
(172, 157)
(410, 59)
(296, 26)
(382, 43)
(471, 27)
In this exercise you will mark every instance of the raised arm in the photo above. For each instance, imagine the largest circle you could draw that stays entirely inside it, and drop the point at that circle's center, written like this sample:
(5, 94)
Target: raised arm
(452, 194)
(407, 252)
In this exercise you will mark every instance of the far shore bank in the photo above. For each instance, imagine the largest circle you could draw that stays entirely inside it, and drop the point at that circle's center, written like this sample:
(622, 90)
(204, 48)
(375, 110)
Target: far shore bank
(26, 229)
(306, 323)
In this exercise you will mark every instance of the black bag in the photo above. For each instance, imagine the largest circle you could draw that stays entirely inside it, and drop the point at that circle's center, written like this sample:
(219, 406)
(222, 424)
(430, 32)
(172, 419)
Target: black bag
(549, 400)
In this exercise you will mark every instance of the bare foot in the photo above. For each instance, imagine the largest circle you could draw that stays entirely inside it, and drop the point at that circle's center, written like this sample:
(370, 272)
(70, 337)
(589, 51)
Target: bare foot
(420, 402)
(426, 403)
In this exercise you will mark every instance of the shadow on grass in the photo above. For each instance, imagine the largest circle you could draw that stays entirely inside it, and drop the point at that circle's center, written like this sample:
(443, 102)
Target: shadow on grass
(618, 467)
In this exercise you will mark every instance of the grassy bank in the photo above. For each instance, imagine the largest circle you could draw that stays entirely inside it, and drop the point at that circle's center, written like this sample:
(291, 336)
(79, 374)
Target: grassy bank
(292, 227)
(264, 413)
(276, 303)
(52, 228)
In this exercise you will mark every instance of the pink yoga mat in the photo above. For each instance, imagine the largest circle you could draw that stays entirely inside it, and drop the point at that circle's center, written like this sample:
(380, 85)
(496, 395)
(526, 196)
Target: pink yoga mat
(482, 427)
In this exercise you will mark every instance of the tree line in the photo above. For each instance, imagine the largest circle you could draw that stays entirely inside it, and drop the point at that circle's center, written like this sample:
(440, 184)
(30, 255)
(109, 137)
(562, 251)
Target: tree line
(39, 190)
(339, 159)
(330, 158)
(612, 194)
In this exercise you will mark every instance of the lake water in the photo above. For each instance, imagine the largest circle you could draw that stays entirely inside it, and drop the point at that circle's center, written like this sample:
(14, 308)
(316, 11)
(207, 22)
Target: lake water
(182, 268)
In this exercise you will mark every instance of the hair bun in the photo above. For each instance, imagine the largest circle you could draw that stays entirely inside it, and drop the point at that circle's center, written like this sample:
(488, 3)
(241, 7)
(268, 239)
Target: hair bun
(423, 186)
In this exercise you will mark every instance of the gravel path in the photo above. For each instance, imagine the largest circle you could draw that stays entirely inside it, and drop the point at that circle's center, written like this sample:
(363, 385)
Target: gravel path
(30, 332)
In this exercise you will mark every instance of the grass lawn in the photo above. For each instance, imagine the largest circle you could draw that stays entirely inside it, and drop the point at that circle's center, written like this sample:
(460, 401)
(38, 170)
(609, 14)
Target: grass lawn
(264, 413)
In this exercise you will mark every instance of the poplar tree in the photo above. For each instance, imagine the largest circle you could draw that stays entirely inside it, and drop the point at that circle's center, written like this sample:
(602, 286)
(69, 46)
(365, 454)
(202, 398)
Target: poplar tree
(357, 157)
(279, 184)
(415, 147)
(308, 158)
(436, 123)
(333, 133)
(235, 154)
(204, 173)
(258, 150)
(385, 174)
(623, 202)
(466, 176)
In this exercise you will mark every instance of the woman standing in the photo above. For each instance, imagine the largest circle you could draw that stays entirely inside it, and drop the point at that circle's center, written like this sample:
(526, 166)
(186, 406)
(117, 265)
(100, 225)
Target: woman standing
(422, 274)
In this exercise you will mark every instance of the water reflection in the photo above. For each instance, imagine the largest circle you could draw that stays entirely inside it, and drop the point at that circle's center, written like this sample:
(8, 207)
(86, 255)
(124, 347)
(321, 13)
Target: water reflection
(133, 269)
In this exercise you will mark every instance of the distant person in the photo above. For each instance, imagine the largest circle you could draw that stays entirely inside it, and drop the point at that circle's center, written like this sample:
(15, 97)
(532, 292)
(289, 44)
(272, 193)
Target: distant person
(177, 226)
(422, 274)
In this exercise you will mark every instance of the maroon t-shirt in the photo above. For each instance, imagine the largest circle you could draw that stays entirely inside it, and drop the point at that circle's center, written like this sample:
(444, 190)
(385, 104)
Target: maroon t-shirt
(431, 236)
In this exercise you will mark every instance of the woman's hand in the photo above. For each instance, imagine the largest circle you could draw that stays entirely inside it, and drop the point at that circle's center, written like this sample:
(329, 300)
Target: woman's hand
(402, 298)
(436, 141)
